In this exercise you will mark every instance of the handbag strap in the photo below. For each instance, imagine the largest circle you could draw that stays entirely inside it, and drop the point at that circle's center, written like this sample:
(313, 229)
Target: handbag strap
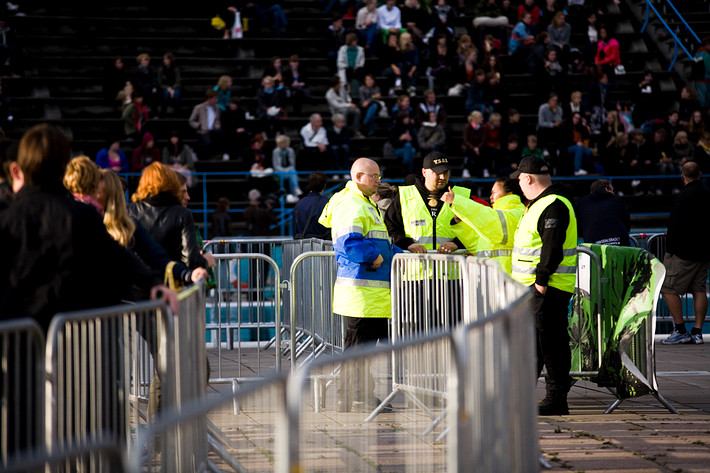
(310, 217)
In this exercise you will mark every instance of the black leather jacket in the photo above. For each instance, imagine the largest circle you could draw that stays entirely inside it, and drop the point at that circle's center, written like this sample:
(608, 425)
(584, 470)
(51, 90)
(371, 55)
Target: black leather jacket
(171, 225)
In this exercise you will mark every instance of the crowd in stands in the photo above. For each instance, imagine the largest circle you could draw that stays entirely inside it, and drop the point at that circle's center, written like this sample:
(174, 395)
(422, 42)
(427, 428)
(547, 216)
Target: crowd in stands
(391, 49)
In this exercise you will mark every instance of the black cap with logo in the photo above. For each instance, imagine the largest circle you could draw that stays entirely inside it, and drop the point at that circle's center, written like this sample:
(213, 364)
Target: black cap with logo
(531, 165)
(437, 162)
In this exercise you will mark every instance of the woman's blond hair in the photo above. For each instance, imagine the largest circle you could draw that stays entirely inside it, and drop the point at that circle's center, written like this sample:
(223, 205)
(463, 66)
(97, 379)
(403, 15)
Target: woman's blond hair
(157, 178)
(404, 42)
(82, 176)
(118, 223)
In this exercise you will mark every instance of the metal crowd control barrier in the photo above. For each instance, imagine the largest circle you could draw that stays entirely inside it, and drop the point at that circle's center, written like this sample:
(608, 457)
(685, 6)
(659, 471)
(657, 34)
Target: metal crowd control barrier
(251, 315)
(490, 386)
(89, 370)
(21, 390)
(639, 355)
(314, 328)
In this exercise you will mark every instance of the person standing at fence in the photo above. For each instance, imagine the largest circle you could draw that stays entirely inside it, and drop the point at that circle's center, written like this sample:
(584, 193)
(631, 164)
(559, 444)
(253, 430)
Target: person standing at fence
(418, 221)
(494, 225)
(309, 208)
(545, 258)
(603, 216)
(687, 256)
(364, 252)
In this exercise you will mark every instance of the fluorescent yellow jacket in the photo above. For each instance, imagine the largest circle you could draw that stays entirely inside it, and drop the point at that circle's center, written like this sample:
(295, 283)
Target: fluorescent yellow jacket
(494, 226)
(359, 237)
(418, 223)
(528, 247)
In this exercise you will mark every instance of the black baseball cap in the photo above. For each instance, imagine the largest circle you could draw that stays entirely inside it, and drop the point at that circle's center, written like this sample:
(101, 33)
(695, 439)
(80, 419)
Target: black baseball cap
(531, 165)
(437, 162)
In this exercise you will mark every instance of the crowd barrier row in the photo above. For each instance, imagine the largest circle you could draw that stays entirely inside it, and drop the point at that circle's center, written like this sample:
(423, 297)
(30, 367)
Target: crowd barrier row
(487, 387)
(95, 374)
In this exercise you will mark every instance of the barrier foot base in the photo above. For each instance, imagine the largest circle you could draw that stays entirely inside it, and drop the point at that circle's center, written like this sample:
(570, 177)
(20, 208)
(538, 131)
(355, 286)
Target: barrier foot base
(665, 403)
(384, 402)
(613, 406)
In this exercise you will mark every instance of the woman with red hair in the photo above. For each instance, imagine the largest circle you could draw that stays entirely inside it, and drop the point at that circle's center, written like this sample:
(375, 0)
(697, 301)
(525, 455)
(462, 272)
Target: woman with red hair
(157, 206)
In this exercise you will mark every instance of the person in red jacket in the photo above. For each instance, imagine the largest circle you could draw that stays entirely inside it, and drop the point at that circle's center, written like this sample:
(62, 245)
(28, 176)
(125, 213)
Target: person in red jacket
(145, 154)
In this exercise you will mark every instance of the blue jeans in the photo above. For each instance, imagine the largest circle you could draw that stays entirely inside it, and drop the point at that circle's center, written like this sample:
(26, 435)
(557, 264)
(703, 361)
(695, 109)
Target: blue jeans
(370, 117)
(341, 157)
(175, 99)
(703, 90)
(580, 153)
(368, 37)
(279, 18)
(407, 153)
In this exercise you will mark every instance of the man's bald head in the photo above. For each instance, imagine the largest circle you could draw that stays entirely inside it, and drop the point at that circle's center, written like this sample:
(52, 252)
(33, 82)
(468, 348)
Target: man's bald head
(366, 174)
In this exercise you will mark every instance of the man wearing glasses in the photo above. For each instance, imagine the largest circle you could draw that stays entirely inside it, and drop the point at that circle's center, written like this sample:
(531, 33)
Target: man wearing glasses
(363, 251)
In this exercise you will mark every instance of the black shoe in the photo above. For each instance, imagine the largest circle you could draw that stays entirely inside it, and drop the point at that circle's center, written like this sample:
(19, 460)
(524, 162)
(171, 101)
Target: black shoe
(553, 408)
(362, 406)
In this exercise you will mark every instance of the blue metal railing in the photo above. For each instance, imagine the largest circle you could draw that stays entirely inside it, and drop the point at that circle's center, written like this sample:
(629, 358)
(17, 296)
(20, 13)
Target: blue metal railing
(677, 40)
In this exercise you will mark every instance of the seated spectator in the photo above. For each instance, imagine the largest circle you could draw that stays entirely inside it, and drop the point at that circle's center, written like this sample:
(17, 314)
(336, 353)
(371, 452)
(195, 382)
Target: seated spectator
(489, 19)
(370, 103)
(390, 57)
(560, 34)
(339, 142)
(295, 81)
(224, 92)
(180, 157)
(234, 126)
(157, 206)
(547, 13)
(403, 104)
(492, 65)
(112, 157)
(552, 76)
(270, 16)
(529, 7)
(465, 74)
(340, 101)
(645, 102)
(578, 149)
(283, 159)
(531, 148)
(495, 95)
(574, 105)
(351, 61)
(416, 19)
(307, 210)
(702, 151)
(683, 149)
(476, 98)
(205, 120)
(597, 100)
(315, 148)
(521, 39)
(145, 80)
(608, 55)
(429, 105)
(259, 165)
(366, 26)
(135, 117)
(403, 137)
(117, 86)
(474, 137)
(443, 14)
(431, 135)
(509, 158)
(408, 63)
(463, 45)
(275, 70)
(696, 126)
(549, 126)
(610, 130)
(221, 220)
(334, 39)
(616, 159)
(259, 215)
(170, 82)
(389, 19)
(702, 86)
(270, 106)
(441, 65)
(145, 154)
(687, 104)
(492, 143)
(535, 60)
(513, 126)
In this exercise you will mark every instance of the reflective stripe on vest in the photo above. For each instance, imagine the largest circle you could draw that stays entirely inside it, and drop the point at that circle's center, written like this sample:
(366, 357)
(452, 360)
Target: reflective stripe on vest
(361, 282)
(493, 253)
(528, 245)
(418, 223)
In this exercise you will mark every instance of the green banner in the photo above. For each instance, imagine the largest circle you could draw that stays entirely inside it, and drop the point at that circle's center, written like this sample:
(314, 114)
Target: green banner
(630, 281)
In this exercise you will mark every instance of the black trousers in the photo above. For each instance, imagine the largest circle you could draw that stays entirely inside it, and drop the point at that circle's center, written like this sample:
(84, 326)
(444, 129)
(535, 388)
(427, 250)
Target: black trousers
(553, 351)
(357, 382)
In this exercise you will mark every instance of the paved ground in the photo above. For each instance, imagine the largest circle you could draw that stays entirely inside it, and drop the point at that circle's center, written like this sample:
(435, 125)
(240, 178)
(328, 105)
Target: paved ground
(639, 436)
